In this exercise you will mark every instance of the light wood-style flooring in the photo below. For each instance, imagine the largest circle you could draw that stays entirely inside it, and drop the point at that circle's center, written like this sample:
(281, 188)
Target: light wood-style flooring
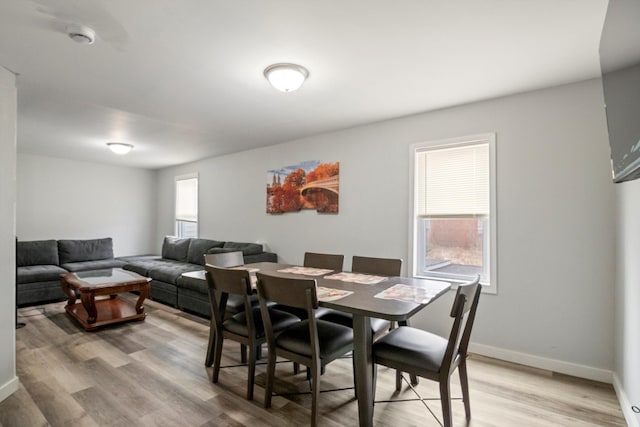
(152, 373)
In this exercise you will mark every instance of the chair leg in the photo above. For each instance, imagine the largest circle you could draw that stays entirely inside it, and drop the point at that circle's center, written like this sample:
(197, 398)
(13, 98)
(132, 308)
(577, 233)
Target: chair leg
(208, 361)
(398, 380)
(253, 350)
(243, 353)
(445, 399)
(315, 394)
(296, 368)
(464, 384)
(271, 372)
(217, 357)
(414, 379)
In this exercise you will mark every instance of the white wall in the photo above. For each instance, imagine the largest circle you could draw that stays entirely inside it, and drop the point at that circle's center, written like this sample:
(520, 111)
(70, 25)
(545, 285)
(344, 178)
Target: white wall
(627, 363)
(8, 378)
(68, 199)
(556, 213)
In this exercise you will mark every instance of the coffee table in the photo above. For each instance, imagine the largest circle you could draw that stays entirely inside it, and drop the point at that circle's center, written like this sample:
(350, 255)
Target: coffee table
(93, 313)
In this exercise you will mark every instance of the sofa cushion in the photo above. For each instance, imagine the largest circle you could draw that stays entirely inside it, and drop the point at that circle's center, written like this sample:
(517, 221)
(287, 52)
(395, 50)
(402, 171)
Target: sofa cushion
(37, 252)
(170, 271)
(39, 273)
(93, 265)
(199, 247)
(175, 248)
(246, 248)
(85, 250)
(221, 250)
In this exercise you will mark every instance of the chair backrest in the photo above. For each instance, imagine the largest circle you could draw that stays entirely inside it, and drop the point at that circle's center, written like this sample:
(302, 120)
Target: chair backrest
(328, 261)
(226, 281)
(463, 312)
(381, 266)
(225, 259)
(293, 292)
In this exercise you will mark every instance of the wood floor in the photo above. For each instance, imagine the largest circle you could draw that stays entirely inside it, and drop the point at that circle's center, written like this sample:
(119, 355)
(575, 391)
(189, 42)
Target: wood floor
(152, 373)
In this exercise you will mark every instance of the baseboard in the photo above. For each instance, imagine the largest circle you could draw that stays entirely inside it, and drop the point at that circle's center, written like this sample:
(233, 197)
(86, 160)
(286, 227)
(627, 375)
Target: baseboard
(632, 419)
(562, 367)
(8, 388)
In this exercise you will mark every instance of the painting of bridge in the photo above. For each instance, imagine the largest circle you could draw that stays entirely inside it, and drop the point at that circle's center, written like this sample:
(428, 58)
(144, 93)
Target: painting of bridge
(306, 185)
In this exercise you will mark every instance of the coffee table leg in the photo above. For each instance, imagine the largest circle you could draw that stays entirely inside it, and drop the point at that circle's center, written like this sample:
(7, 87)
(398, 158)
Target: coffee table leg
(68, 291)
(144, 293)
(89, 304)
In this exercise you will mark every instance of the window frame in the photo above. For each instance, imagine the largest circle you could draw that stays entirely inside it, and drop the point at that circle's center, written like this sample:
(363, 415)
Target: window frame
(185, 177)
(414, 221)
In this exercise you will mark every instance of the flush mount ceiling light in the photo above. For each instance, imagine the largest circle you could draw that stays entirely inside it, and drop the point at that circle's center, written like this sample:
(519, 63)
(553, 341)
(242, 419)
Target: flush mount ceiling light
(81, 34)
(286, 77)
(119, 147)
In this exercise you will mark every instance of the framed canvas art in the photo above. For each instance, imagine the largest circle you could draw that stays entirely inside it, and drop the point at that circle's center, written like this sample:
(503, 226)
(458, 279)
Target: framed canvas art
(306, 185)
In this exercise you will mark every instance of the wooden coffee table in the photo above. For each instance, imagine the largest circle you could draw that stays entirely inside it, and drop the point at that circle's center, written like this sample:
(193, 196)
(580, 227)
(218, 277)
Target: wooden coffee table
(92, 313)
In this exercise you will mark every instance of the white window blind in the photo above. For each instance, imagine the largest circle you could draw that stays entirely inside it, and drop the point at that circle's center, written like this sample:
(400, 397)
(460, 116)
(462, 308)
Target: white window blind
(187, 200)
(453, 181)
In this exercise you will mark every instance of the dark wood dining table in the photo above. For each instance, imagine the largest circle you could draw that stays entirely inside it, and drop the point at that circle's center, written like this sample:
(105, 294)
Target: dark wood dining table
(363, 305)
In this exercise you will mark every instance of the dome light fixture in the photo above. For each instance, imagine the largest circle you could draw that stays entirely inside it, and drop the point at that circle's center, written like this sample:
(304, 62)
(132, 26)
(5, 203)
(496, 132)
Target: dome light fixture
(286, 77)
(119, 147)
(81, 34)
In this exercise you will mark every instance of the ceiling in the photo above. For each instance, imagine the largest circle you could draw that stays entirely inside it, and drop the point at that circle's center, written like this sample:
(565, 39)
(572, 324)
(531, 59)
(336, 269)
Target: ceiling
(183, 80)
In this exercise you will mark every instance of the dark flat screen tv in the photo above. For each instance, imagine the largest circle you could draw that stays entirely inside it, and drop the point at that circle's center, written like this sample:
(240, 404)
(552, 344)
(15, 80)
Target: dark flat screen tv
(620, 66)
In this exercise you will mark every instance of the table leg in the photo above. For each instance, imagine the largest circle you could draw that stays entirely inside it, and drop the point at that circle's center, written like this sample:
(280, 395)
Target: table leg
(71, 294)
(144, 294)
(89, 303)
(363, 362)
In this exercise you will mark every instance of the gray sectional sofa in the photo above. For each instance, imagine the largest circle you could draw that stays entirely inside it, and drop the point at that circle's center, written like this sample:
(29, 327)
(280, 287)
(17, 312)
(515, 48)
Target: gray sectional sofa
(183, 255)
(39, 265)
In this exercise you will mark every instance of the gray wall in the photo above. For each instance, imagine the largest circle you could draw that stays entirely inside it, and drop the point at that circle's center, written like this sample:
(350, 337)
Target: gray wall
(8, 379)
(556, 216)
(69, 199)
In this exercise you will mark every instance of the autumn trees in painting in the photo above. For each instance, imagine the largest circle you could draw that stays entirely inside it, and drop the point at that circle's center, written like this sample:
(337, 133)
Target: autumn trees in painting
(308, 185)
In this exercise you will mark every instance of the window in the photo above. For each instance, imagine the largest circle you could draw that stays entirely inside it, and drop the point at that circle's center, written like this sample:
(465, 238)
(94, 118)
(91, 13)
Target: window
(453, 224)
(187, 206)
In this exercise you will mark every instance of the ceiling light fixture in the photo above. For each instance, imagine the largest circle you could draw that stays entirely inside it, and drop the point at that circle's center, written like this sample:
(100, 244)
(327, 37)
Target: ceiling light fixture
(286, 77)
(119, 147)
(81, 34)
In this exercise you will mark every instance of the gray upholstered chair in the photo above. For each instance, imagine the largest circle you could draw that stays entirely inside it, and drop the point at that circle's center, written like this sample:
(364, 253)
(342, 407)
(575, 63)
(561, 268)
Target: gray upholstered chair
(311, 342)
(328, 261)
(430, 356)
(245, 327)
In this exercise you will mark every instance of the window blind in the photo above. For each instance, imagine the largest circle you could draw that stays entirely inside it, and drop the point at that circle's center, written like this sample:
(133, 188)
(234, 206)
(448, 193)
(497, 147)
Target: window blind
(187, 199)
(453, 181)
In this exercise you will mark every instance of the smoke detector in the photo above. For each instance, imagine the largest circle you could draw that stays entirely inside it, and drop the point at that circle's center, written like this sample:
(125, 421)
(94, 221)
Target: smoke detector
(81, 34)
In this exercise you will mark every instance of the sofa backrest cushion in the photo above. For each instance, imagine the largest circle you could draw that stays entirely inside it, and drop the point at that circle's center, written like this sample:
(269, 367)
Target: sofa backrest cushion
(175, 248)
(85, 250)
(37, 252)
(246, 248)
(199, 247)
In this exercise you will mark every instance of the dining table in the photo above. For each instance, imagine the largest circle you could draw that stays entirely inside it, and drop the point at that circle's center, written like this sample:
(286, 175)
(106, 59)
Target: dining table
(364, 297)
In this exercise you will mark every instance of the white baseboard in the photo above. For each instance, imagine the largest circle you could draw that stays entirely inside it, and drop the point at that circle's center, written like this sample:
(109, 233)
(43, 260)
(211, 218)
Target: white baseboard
(632, 419)
(554, 365)
(8, 388)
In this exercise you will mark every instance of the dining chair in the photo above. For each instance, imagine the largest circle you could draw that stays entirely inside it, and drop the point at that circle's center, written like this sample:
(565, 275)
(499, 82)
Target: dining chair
(328, 261)
(235, 302)
(311, 342)
(430, 356)
(245, 327)
(225, 259)
(378, 266)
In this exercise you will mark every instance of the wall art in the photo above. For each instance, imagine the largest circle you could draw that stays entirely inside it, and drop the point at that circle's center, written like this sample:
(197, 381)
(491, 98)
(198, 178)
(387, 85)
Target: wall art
(307, 185)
